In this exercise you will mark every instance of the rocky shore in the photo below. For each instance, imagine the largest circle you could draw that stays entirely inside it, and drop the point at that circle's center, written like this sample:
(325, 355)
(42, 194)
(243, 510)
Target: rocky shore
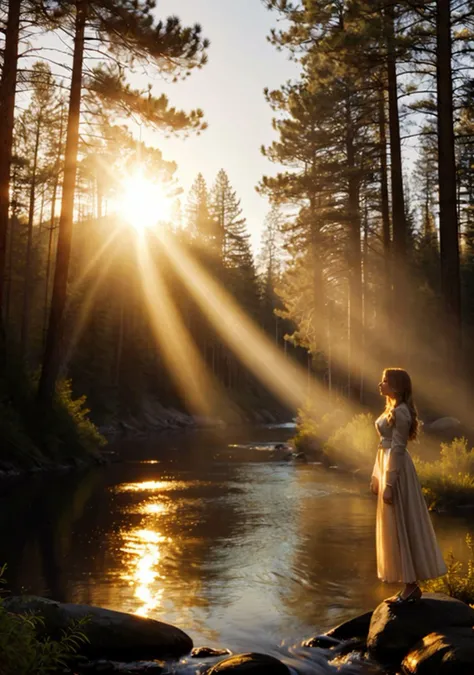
(154, 417)
(434, 636)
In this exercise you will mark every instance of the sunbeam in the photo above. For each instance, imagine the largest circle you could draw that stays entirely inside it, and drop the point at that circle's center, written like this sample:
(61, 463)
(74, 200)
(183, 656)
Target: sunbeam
(188, 369)
(285, 379)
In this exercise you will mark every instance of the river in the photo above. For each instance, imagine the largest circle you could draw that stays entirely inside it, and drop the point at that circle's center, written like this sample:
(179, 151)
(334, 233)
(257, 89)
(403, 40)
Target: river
(237, 550)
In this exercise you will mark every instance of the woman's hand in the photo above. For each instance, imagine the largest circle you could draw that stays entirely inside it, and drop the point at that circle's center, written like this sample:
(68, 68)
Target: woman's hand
(388, 495)
(374, 485)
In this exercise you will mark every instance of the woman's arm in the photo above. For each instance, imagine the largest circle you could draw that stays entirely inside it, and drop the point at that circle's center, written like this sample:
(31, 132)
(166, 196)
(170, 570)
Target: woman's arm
(400, 433)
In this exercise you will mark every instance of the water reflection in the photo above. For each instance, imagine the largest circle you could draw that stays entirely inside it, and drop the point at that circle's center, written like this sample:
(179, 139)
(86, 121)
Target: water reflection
(238, 554)
(143, 551)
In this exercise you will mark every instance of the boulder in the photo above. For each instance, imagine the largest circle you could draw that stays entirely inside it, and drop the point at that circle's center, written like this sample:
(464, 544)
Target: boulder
(442, 424)
(358, 627)
(449, 652)
(112, 635)
(321, 642)
(250, 664)
(103, 667)
(208, 652)
(395, 629)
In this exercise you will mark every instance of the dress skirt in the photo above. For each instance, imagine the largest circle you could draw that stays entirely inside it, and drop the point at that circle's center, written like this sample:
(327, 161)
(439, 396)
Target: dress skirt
(407, 550)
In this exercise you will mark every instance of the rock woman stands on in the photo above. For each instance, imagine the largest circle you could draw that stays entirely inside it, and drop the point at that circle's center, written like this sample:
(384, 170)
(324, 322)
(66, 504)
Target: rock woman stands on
(407, 551)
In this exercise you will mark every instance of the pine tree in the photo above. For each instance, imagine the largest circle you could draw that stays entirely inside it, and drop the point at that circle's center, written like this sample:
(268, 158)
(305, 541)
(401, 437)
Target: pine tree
(33, 130)
(127, 29)
(200, 224)
(270, 264)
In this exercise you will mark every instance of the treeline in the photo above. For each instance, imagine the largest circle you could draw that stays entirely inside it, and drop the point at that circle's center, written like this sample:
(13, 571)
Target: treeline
(72, 297)
(377, 197)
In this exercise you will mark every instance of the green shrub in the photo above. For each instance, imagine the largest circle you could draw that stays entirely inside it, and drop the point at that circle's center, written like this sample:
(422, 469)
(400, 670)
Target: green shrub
(32, 435)
(449, 481)
(459, 581)
(354, 444)
(22, 652)
(313, 429)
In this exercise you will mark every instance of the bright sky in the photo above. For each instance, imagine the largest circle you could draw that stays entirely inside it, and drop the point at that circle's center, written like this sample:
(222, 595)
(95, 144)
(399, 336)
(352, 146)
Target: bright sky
(230, 91)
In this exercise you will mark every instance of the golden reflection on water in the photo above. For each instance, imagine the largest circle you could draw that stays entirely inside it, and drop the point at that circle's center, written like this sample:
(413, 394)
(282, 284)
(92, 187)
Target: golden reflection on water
(159, 485)
(147, 486)
(153, 508)
(143, 551)
(143, 545)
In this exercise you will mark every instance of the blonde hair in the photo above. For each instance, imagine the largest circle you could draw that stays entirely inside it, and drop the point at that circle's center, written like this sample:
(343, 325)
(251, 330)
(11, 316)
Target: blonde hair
(400, 382)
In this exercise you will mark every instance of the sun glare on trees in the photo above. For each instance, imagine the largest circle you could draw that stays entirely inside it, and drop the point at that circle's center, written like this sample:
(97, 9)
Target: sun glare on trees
(143, 203)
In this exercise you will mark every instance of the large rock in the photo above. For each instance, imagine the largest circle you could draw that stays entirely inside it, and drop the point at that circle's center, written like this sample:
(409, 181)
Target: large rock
(442, 424)
(112, 635)
(358, 627)
(208, 652)
(395, 629)
(449, 652)
(250, 664)
(104, 667)
(355, 630)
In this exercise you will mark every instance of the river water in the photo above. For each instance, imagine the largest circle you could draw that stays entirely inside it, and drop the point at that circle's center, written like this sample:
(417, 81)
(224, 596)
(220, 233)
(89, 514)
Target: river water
(235, 549)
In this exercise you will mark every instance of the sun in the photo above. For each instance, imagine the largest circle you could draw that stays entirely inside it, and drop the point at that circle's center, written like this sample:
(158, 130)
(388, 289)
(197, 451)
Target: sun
(143, 203)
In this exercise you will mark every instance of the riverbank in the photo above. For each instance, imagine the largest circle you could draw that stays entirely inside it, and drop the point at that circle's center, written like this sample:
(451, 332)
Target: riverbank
(434, 636)
(155, 417)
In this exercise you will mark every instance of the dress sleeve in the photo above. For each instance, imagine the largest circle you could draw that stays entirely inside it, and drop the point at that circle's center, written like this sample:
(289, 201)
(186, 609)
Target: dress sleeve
(400, 433)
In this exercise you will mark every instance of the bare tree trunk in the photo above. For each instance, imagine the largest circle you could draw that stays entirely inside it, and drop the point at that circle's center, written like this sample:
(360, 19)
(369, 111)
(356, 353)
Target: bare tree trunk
(52, 355)
(398, 197)
(25, 321)
(7, 117)
(448, 217)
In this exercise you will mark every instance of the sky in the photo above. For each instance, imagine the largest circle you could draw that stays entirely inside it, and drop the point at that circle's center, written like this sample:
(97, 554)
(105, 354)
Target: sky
(229, 89)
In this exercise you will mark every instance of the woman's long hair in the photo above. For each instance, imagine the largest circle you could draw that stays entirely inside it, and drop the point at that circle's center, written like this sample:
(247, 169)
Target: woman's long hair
(400, 382)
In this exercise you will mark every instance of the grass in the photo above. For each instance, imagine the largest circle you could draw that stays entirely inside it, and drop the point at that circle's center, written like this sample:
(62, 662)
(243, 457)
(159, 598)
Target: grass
(23, 652)
(449, 481)
(459, 581)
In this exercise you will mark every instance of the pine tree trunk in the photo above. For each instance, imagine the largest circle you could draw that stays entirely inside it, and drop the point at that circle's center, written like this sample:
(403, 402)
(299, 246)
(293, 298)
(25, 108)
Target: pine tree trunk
(448, 217)
(52, 355)
(25, 320)
(384, 199)
(50, 255)
(52, 226)
(355, 262)
(7, 116)
(365, 267)
(398, 198)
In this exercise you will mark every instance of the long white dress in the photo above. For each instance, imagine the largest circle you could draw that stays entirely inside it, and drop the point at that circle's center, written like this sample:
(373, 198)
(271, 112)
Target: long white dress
(407, 550)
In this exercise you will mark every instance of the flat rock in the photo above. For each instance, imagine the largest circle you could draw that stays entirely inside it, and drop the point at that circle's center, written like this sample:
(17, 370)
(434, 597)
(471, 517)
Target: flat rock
(250, 664)
(396, 629)
(112, 635)
(449, 652)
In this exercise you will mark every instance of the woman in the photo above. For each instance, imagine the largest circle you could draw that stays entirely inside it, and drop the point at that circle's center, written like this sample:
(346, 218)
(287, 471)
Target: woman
(406, 543)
